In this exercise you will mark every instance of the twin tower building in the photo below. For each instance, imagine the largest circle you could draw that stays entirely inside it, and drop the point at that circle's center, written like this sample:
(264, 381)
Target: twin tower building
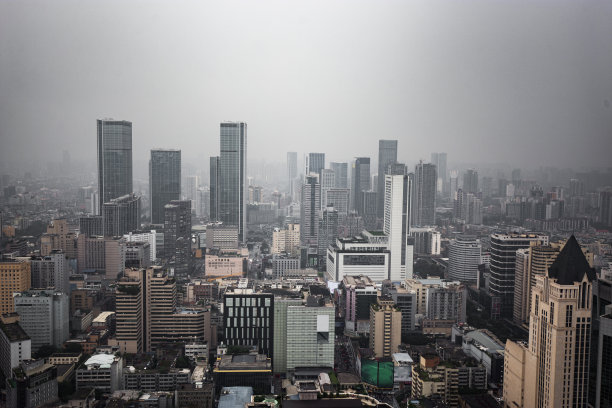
(228, 187)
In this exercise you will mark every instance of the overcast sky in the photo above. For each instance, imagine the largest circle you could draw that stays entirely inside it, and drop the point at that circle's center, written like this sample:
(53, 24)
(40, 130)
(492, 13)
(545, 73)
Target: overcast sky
(522, 82)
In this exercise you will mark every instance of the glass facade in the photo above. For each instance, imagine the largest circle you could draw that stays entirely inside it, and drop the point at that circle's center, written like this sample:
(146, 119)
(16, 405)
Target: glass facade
(164, 181)
(387, 154)
(114, 159)
(232, 176)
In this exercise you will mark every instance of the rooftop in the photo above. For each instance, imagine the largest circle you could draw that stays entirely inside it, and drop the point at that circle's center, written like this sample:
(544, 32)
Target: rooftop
(100, 361)
(571, 265)
(14, 332)
(235, 397)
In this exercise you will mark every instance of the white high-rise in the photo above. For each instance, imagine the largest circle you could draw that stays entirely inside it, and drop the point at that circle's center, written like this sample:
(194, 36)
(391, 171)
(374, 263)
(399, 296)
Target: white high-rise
(464, 256)
(397, 225)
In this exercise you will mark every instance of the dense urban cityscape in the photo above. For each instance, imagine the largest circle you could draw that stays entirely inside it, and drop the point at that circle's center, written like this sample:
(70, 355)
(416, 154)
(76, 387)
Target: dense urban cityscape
(409, 206)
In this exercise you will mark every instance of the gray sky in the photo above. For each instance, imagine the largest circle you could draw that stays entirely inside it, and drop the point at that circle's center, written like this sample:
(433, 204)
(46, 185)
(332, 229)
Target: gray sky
(521, 82)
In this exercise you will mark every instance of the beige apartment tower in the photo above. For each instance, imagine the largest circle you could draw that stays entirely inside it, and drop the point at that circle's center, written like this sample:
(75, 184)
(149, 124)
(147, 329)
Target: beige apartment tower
(551, 371)
(286, 240)
(385, 327)
(15, 276)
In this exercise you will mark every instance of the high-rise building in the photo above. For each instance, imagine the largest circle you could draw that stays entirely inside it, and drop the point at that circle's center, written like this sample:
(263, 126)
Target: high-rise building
(464, 256)
(309, 211)
(129, 324)
(358, 293)
(291, 170)
(50, 271)
(328, 232)
(15, 344)
(248, 320)
(530, 262)
(177, 234)
(426, 240)
(552, 370)
(603, 390)
(286, 240)
(279, 356)
(121, 215)
(605, 208)
(398, 199)
(367, 255)
(327, 181)
(503, 269)
(337, 198)
(424, 200)
(439, 160)
(340, 174)
(315, 162)
(385, 328)
(114, 159)
(15, 276)
(44, 315)
(164, 181)
(387, 154)
(360, 182)
(214, 188)
(233, 176)
(59, 235)
(470, 181)
(101, 254)
(91, 225)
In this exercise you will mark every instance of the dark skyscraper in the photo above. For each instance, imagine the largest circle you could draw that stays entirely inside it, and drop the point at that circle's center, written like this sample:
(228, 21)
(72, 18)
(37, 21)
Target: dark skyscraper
(387, 154)
(214, 188)
(315, 162)
(164, 181)
(470, 181)
(341, 174)
(424, 200)
(121, 215)
(360, 182)
(232, 176)
(114, 159)
(177, 234)
(291, 170)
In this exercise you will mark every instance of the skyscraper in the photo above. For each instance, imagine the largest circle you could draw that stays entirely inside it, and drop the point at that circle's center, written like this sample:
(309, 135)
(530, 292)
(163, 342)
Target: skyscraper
(387, 154)
(232, 176)
(397, 225)
(310, 205)
(503, 269)
(164, 181)
(439, 160)
(214, 188)
(470, 181)
(121, 215)
(360, 182)
(177, 234)
(424, 201)
(340, 173)
(327, 180)
(114, 159)
(328, 232)
(315, 162)
(291, 170)
(552, 370)
(464, 258)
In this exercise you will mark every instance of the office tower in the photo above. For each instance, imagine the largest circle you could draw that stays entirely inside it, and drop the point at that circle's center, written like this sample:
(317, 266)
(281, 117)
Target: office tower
(370, 202)
(214, 188)
(576, 188)
(248, 320)
(177, 234)
(387, 154)
(58, 236)
(424, 200)
(310, 333)
(398, 199)
(603, 391)
(202, 209)
(453, 183)
(328, 232)
(286, 240)
(339, 199)
(310, 205)
(367, 254)
(503, 269)
(530, 262)
(470, 181)
(101, 255)
(232, 176)
(396, 169)
(15, 344)
(605, 208)
(360, 182)
(44, 315)
(121, 215)
(516, 177)
(164, 181)
(50, 271)
(327, 181)
(358, 293)
(114, 159)
(279, 355)
(340, 173)
(467, 208)
(464, 256)
(91, 225)
(15, 276)
(439, 160)
(291, 170)
(315, 162)
(552, 370)
(150, 237)
(385, 328)
(129, 325)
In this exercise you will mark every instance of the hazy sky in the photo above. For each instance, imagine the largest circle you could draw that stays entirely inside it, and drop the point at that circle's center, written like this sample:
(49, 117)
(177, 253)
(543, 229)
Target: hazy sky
(523, 82)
